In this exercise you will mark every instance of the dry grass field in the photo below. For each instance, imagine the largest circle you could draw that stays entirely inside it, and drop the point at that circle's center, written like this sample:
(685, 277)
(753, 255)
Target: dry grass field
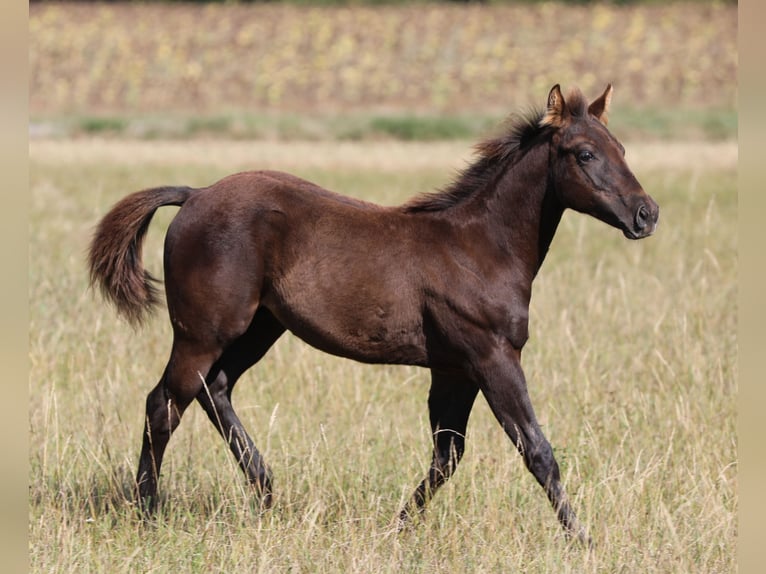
(631, 362)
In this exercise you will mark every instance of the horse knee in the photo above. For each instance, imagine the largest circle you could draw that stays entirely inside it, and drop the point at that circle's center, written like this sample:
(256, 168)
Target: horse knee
(542, 464)
(450, 447)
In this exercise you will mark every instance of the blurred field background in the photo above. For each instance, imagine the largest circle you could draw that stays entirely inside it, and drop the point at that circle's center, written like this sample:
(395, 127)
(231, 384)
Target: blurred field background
(404, 71)
(632, 361)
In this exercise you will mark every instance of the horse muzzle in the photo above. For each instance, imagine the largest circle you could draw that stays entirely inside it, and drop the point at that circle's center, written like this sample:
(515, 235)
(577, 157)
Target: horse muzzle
(644, 221)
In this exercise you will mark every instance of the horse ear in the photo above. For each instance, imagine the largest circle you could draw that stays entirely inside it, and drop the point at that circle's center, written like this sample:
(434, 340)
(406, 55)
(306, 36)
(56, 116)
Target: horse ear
(555, 109)
(600, 107)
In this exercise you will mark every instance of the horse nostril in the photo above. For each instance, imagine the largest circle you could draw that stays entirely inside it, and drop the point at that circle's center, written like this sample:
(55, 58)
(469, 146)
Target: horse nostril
(642, 217)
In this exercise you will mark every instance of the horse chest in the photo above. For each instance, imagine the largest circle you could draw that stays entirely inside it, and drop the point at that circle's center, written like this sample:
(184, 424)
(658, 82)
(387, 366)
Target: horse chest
(518, 329)
(509, 321)
(483, 318)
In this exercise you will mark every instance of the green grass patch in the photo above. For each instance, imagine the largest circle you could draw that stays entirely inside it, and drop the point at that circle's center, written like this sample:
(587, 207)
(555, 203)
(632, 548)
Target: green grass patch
(102, 125)
(682, 124)
(676, 124)
(425, 128)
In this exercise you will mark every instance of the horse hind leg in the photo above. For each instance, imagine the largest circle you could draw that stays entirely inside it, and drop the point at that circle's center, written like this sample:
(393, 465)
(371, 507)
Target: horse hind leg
(215, 398)
(165, 404)
(450, 401)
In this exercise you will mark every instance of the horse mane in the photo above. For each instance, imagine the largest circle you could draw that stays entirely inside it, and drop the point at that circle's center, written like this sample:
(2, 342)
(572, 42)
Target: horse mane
(494, 154)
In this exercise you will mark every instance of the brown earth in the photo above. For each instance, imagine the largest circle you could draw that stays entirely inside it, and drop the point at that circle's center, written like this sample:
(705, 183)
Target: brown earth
(132, 58)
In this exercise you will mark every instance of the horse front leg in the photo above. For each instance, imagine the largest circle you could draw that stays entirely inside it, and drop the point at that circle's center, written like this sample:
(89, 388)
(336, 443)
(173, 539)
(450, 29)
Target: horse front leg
(449, 404)
(505, 388)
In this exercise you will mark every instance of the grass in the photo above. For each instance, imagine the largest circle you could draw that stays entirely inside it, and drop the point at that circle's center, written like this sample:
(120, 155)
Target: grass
(714, 124)
(270, 126)
(631, 363)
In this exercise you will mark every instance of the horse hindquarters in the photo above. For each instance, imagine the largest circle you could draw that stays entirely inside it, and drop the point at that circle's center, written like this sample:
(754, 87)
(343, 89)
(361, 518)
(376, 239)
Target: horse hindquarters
(212, 284)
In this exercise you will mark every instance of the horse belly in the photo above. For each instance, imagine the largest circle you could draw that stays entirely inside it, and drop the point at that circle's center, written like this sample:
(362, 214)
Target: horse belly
(340, 278)
(355, 325)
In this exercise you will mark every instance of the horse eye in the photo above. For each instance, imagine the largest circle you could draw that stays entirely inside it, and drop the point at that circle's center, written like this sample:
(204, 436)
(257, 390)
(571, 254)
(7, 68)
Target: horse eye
(585, 156)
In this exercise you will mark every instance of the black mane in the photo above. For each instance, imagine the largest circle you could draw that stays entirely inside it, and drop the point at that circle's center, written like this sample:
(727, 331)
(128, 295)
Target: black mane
(494, 154)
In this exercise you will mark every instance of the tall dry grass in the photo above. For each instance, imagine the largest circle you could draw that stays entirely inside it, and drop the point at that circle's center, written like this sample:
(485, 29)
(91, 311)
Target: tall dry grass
(631, 363)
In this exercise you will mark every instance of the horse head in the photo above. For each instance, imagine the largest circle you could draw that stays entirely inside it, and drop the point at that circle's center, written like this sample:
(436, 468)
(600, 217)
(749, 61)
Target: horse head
(588, 169)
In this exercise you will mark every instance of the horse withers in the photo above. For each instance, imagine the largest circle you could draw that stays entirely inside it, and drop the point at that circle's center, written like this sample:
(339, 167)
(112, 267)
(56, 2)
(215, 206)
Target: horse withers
(442, 282)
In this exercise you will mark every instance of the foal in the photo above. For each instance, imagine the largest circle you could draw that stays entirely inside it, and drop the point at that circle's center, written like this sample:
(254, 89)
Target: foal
(442, 282)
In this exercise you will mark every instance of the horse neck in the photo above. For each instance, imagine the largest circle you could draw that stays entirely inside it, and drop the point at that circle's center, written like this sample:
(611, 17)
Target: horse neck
(524, 209)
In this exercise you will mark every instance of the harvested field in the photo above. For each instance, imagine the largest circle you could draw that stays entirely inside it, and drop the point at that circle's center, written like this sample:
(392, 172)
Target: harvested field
(120, 58)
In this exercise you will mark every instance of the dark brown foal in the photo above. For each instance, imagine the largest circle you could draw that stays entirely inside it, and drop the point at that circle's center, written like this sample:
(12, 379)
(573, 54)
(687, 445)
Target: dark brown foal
(442, 282)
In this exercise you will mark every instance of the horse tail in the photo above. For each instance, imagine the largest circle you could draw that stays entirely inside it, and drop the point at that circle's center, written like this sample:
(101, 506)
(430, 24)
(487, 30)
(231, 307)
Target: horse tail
(114, 256)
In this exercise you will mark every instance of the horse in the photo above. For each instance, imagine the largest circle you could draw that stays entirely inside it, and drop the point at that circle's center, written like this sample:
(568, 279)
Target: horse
(442, 281)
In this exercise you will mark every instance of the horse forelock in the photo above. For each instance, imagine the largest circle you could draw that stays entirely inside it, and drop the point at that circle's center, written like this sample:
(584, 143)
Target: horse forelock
(577, 103)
